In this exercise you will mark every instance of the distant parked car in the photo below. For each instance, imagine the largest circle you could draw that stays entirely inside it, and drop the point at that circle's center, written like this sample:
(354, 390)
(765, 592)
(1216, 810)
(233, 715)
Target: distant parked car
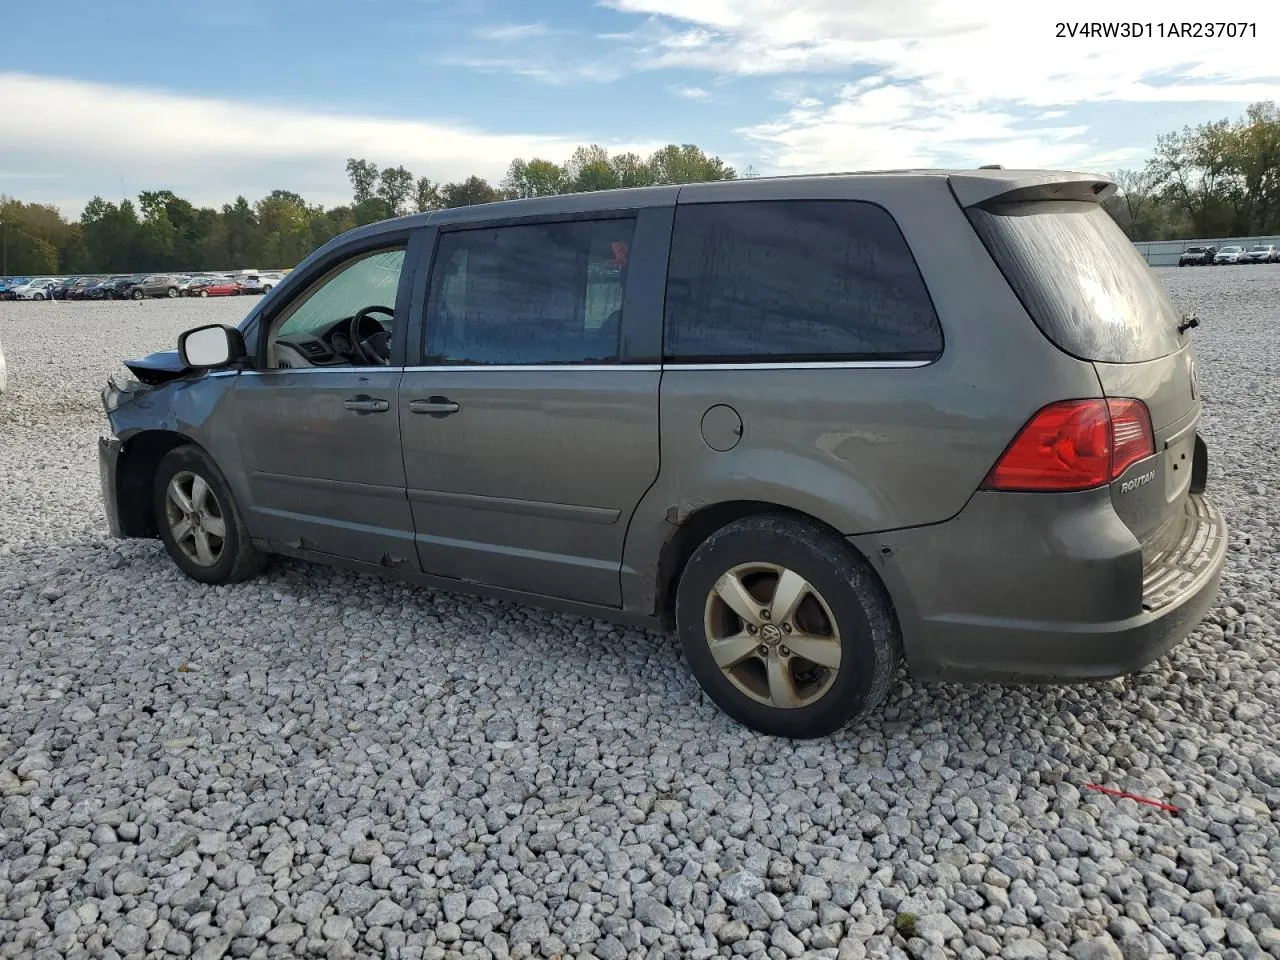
(186, 283)
(62, 289)
(1197, 257)
(218, 287)
(1230, 255)
(154, 285)
(32, 290)
(1262, 253)
(7, 285)
(251, 283)
(80, 289)
(109, 288)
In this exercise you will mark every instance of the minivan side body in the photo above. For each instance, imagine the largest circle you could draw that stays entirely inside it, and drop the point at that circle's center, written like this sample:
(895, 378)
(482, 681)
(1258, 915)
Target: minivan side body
(853, 354)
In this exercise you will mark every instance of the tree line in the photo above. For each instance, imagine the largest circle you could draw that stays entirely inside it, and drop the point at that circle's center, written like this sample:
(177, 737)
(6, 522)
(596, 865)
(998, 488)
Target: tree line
(163, 231)
(1219, 179)
(1216, 179)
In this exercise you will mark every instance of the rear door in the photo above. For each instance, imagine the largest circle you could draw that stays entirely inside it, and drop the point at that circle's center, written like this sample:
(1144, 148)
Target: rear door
(530, 425)
(1092, 294)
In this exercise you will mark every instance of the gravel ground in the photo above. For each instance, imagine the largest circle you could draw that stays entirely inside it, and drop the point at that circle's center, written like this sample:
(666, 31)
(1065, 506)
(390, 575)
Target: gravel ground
(323, 764)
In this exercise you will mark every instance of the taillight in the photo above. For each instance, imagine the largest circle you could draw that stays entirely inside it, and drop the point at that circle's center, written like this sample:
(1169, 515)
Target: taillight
(1075, 445)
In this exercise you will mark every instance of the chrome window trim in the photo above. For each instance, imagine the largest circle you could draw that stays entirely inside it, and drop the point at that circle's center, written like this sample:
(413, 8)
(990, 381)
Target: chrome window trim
(804, 365)
(619, 367)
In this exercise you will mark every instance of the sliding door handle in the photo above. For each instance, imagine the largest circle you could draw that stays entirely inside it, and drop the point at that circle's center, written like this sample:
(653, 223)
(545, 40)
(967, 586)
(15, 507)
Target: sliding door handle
(365, 404)
(439, 406)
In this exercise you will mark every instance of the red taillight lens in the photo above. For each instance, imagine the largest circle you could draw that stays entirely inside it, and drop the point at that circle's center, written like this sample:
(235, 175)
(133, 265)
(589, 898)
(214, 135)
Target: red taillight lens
(1132, 438)
(1075, 445)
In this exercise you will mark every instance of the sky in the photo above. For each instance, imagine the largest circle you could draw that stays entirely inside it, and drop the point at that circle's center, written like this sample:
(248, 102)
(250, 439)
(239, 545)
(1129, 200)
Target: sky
(214, 98)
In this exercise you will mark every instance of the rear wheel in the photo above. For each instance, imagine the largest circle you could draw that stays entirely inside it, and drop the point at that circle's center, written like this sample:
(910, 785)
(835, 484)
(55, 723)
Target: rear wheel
(199, 521)
(785, 627)
(173, 292)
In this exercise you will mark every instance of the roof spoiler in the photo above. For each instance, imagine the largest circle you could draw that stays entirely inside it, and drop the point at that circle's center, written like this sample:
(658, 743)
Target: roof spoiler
(990, 185)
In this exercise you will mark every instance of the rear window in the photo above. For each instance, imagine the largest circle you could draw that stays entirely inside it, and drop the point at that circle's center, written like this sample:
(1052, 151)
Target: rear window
(1081, 279)
(794, 280)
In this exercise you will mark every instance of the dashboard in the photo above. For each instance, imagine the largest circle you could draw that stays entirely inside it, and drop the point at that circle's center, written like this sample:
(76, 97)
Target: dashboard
(332, 346)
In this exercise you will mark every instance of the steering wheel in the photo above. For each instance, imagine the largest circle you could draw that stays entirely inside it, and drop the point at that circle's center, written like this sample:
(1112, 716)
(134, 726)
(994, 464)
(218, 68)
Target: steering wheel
(377, 351)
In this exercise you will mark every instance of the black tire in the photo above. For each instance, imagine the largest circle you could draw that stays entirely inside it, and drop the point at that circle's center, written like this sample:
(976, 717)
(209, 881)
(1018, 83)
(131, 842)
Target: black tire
(173, 292)
(869, 641)
(137, 294)
(204, 293)
(235, 556)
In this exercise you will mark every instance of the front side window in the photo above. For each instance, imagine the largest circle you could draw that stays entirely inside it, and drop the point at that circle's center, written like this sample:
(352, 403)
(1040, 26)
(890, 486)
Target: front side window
(347, 317)
(794, 280)
(544, 293)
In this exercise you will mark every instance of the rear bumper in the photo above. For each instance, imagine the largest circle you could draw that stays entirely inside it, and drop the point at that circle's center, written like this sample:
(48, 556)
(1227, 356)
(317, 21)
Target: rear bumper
(108, 467)
(980, 601)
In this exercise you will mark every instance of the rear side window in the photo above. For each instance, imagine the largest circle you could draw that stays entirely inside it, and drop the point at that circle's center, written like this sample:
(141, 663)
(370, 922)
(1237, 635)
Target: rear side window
(541, 293)
(1084, 283)
(794, 280)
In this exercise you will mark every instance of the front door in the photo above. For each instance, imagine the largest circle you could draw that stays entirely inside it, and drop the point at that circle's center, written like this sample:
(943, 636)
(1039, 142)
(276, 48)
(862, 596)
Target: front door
(317, 422)
(528, 436)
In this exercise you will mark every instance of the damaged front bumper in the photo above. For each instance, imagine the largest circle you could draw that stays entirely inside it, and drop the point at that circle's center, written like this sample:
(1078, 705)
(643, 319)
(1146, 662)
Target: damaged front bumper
(114, 396)
(109, 449)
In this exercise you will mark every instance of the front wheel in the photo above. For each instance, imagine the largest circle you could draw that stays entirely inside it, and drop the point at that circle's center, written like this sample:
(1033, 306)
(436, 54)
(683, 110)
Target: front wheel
(785, 627)
(138, 294)
(38, 296)
(204, 293)
(199, 521)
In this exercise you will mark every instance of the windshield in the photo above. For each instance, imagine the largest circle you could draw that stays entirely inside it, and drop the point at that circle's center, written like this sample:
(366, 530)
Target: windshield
(1259, 249)
(1082, 280)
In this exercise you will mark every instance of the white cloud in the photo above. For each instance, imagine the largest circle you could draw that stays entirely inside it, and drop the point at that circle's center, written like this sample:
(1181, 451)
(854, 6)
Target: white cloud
(951, 80)
(691, 93)
(509, 32)
(66, 140)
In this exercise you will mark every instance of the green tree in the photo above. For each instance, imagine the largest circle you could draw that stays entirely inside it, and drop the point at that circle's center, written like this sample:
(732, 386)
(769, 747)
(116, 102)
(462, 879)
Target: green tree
(1195, 169)
(687, 164)
(364, 179)
(112, 235)
(535, 178)
(395, 187)
(284, 229)
(631, 170)
(427, 196)
(1257, 152)
(469, 191)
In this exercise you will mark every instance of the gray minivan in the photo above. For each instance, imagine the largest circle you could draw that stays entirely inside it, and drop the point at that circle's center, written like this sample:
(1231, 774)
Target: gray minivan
(816, 424)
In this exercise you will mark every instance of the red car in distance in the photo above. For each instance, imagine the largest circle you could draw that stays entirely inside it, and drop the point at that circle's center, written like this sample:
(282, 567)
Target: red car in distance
(215, 287)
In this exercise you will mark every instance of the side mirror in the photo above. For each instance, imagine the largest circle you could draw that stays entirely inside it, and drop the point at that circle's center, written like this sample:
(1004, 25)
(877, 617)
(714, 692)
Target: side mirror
(211, 346)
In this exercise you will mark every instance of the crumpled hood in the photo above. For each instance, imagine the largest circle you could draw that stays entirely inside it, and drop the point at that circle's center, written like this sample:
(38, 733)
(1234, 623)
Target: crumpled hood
(157, 367)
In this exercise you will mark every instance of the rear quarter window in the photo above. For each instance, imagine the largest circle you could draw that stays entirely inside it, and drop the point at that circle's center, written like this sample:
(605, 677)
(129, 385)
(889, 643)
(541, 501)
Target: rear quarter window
(794, 280)
(1083, 282)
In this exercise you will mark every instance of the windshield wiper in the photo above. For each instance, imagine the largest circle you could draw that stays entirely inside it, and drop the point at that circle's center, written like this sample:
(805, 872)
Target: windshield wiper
(1189, 321)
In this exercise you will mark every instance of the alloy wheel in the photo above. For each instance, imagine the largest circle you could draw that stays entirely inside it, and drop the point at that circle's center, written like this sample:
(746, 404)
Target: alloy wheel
(195, 518)
(772, 635)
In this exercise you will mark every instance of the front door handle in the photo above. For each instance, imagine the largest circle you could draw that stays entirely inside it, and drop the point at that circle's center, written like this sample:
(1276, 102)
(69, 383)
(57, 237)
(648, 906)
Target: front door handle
(440, 406)
(365, 404)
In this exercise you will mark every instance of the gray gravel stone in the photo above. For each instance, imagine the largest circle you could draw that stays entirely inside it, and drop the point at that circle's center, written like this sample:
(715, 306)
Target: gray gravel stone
(319, 763)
